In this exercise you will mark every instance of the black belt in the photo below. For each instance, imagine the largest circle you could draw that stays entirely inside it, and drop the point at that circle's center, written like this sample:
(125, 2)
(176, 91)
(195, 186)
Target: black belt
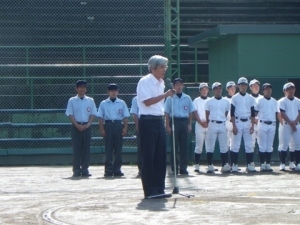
(288, 123)
(181, 118)
(243, 120)
(266, 122)
(82, 123)
(113, 121)
(217, 121)
(150, 117)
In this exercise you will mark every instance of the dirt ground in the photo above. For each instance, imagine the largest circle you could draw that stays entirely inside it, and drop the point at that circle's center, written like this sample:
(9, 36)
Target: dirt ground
(48, 195)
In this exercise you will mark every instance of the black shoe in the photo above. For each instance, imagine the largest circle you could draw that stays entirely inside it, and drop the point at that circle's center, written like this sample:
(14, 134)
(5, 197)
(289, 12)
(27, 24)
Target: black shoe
(76, 174)
(86, 174)
(184, 172)
(118, 174)
(108, 174)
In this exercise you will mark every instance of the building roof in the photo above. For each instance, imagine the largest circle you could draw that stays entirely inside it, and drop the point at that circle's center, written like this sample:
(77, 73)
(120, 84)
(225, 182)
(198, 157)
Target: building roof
(222, 31)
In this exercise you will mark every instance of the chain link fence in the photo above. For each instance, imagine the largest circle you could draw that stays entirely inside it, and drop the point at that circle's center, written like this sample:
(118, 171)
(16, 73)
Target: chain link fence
(46, 46)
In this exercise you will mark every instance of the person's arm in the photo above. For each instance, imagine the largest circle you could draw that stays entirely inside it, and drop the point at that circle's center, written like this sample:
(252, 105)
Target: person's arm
(190, 122)
(253, 119)
(158, 98)
(168, 128)
(279, 117)
(125, 126)
(207, 115)
(136, 121)
(232, 114)
(101, 126)
(91, 118)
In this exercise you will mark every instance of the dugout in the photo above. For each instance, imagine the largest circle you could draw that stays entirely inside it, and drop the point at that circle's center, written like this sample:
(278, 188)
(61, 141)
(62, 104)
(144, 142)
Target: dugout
(269, 53)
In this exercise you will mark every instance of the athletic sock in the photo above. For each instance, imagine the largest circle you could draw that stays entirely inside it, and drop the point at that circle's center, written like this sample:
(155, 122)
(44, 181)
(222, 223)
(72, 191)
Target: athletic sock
(297, 156)
(292, 156)
(268, 157)
(209, 156)
(249, 158)
(224, 158)
(234, 157)
(282, 156)
(262, 157)
(279, 154)
(197, 158)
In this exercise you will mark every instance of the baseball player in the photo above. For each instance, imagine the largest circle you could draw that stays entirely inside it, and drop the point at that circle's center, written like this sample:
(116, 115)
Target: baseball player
(216, 110)
(201, 122)
(290, 112)
(182, 114)
(231, 89)
(266, 109)
(242, 118)
(255, 87)
(292, 165)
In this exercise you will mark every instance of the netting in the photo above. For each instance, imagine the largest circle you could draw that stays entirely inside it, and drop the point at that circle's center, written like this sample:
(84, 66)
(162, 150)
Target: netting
(46, 45)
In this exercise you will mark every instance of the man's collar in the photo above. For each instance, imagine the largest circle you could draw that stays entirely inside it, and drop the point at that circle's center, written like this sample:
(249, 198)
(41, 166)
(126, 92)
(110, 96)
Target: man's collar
(154, 80)
(84, 97)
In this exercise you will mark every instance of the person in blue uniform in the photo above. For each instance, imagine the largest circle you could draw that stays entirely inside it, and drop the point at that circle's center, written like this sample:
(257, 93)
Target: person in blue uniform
(134, 110)
(81, 110)
(112, 112)
(182, 112)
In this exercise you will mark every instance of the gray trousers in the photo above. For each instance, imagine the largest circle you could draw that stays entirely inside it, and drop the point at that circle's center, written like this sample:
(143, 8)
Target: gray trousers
(113, 147)
(81, 141)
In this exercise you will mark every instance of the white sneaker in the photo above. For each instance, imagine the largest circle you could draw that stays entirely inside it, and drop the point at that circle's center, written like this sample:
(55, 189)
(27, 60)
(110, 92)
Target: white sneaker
(210, 169)
(197, 168)
(268, 167)
(235, 168)
(292, 166)
(251, 167)
(263, 167)
(298, 167)
(282, 167)
(225, 168)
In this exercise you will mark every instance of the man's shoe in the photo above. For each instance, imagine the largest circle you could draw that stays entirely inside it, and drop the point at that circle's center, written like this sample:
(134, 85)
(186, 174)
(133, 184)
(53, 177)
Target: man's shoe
(268, 168)
(297, 167)
(86, 174)
(108, 174)
(210, 169)
(225, 168)
(282, 167)
(184, 172)
(76, 175)
(197, 168)
(251, 167)
(234, 168)
(263, 167)
(118, 174)
(292, 166)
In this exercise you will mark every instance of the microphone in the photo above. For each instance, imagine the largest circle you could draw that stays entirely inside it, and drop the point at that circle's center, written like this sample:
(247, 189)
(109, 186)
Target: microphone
(168, 84)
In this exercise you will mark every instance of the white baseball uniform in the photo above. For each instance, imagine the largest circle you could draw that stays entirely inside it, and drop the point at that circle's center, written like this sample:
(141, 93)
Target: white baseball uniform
(255, 132)
(266, 128)
(291, 109)
(228, 123)
(200, 131)
(242, 114)
(217, 109)
(291, 143)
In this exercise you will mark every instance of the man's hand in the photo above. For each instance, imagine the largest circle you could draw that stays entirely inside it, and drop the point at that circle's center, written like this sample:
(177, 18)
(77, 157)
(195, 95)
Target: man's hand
(203, 123)
(234, 130)
(169, 130)
(255, 121)
(189, 128)
(80, 127)
(102, 131)
(251, 129)
(170, 92)
(124, 131)
(293, 125)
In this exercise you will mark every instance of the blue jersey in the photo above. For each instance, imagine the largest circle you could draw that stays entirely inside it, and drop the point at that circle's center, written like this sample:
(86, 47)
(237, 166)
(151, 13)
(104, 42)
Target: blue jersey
(182, 106)
(109, 110)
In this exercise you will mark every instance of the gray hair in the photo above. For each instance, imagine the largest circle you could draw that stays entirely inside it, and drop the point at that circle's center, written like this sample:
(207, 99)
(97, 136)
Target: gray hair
(155, 61)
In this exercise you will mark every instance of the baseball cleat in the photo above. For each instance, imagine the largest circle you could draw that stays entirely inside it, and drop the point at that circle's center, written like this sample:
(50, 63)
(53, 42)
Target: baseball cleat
(263, 167)
(292, 166)
(268, 167)
(210, 169)
(251, 167)
(197, 168)
(282, 167)
(298, 167)
(225, 168)
(234, 168)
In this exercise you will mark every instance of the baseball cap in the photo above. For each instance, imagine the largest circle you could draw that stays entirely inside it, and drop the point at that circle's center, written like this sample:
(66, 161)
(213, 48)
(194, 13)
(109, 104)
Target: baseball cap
(177, 80)
(216, 84)
(288, 85)
(242, 80)
(81, 83)
(112, 86)
(203, 85)
(230, 84)
(265, 85)
(253, 82)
